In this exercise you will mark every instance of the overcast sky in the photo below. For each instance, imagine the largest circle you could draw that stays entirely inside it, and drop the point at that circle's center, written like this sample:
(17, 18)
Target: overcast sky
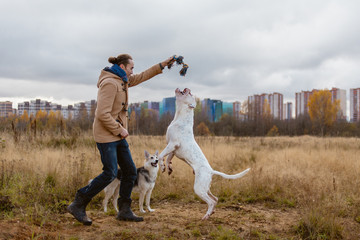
(54, 50)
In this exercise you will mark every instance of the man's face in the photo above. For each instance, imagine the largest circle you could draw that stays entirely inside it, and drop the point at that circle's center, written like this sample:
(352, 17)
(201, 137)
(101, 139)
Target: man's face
(129, 68)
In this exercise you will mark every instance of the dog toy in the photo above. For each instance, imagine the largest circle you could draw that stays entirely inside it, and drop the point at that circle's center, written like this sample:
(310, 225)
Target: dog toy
(178, 60)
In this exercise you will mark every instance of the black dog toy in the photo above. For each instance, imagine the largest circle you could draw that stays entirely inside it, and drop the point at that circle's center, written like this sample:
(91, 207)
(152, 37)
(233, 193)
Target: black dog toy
(178, 60)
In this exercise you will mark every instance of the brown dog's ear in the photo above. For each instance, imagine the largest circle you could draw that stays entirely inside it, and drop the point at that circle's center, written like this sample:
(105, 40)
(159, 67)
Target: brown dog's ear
(147, 155)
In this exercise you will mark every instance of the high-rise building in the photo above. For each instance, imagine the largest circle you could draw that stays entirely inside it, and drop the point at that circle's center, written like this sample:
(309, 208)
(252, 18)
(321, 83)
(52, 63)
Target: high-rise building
(34, 106)
(287, 111)
(154, 105)
(145, 105)
(255, 107)
(339, 94)
(22, 107)
(258, 104)
(301, 102)
(236, 110)
(68, 112)
(5, 108)
(207, 108)
(167, 105)
(87, 107)
(213, 109)
(37, 105)
(354, 104)
(217, 110)
(228, 108)
(276, 105)
(302, 99)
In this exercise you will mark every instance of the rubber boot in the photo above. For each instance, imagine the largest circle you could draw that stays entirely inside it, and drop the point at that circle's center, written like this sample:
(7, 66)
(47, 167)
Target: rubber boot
(77, 209)
(125, 212)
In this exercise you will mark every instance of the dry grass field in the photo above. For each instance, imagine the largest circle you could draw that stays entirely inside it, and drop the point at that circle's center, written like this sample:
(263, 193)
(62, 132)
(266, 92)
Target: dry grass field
(298, 188)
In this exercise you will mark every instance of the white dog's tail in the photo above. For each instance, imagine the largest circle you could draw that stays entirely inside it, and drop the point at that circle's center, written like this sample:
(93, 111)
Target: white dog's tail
(235, 176)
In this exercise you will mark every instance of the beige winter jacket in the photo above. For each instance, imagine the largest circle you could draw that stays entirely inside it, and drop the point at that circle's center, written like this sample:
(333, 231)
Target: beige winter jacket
(111, 113)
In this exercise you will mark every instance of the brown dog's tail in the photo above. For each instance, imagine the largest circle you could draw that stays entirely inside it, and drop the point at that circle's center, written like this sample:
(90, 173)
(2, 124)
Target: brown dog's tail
(235, 176)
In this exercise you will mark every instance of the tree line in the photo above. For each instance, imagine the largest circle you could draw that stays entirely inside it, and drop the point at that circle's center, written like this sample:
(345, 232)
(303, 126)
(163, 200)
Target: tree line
(321, 119)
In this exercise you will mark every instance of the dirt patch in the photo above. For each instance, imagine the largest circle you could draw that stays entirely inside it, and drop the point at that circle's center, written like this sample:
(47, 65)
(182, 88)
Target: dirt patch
(171, 220)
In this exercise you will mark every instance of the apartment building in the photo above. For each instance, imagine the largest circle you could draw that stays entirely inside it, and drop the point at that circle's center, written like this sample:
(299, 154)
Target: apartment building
(5, 108)
(167, 105)
(339, 94)
(301, 102)
(68, 112)
(33, 106)
(354, 104)
(257, 104)
(287, 111)
(227, 108)
(87, 107)
(236, 109)
(213, 109)
(302, 99)
(22, 107)
(276, 105)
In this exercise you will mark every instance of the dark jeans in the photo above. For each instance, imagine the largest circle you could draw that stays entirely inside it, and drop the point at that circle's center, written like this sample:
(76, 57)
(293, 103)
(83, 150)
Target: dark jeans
(112, 154)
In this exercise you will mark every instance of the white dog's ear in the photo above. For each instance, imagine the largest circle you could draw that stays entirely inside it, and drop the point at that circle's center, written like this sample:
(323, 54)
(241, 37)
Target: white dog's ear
(157, 153)
(147, 155)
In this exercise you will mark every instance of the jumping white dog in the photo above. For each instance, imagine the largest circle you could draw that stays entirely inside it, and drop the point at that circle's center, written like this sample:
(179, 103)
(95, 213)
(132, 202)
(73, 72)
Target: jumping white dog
(181, 143)
(144, 183)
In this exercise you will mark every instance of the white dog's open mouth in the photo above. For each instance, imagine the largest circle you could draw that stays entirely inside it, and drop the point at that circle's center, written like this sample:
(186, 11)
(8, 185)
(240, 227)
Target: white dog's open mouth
(185, 91)
(154, 164)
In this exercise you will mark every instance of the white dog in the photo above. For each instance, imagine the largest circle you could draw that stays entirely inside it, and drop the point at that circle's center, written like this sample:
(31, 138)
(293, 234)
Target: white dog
(181, 143)
(144, 184)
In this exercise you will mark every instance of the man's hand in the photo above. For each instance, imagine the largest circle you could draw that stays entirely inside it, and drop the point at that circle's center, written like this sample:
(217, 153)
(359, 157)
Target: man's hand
(124, 133)
(167, 62)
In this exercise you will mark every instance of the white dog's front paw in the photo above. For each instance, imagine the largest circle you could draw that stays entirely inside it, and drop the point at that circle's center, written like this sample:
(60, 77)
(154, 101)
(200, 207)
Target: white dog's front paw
(170, 170)
(142, 211)
(151, 210)
(162, 166)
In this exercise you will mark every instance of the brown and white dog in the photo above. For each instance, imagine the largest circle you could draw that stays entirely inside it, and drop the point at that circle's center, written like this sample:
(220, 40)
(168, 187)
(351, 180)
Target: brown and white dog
(144, 183)
(181, 143)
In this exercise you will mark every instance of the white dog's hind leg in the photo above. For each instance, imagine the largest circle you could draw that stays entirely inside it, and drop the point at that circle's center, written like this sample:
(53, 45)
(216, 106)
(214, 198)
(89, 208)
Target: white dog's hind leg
(148, 196)
(213, 196)
(202, 188)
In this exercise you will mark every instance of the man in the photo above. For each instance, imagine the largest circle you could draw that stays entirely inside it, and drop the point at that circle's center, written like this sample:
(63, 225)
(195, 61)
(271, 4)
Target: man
(110, 132)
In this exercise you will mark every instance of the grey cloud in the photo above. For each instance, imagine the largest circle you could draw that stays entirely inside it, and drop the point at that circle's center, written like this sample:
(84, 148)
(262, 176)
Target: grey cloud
(234, 48)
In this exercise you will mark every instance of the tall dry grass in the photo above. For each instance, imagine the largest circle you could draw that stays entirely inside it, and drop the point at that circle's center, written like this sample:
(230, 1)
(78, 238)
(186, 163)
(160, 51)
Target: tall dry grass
(319, 176)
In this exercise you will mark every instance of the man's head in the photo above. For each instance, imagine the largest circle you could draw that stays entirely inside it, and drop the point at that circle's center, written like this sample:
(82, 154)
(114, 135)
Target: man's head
(125, 62)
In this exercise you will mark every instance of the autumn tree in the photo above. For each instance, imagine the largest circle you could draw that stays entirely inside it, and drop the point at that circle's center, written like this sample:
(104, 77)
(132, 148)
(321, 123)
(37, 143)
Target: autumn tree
(322, 110)
(51, 121)
(23, 122)
(202, 130)
(224, 127)
(41, 119)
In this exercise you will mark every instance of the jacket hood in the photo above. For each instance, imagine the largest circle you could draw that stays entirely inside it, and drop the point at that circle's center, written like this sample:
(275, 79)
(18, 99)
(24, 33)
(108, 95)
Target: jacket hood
(104, 75)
